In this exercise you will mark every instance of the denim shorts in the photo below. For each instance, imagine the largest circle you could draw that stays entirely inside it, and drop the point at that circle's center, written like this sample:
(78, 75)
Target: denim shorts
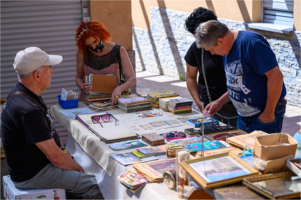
(250, 124)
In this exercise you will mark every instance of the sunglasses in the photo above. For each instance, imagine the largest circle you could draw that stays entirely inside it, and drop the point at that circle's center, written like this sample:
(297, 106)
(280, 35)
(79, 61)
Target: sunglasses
(173, 135)
(105, 118)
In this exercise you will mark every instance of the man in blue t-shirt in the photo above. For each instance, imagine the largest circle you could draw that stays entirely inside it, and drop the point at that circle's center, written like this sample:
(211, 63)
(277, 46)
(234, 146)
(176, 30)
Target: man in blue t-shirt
(254, 80)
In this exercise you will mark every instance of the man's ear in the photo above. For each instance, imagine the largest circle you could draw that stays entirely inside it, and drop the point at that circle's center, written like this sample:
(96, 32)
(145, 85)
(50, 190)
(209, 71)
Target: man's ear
(36, 75)
(220, 41)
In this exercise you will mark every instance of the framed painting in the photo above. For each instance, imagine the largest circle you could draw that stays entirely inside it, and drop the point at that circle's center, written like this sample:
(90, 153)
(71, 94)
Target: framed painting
(275, 186)
(218, 170)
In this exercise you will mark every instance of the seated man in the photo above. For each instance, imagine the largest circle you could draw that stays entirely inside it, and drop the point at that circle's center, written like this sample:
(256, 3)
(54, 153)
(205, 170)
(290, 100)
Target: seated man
(33, 151)
(254, 80)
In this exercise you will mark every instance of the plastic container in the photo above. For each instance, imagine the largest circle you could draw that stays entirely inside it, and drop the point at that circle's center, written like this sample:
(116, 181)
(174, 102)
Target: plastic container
(68, 103)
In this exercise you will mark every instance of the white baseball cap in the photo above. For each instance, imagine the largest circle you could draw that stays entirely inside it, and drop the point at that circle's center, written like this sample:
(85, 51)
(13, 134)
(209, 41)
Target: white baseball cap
(32, 58)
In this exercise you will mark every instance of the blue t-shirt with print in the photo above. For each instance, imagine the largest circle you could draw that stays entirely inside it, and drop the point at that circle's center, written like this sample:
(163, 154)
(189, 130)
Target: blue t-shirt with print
(245, 66)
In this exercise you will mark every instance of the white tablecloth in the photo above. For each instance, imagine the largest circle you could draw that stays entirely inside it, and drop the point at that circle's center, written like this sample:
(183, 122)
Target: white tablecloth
(110, 187)
(93, 155)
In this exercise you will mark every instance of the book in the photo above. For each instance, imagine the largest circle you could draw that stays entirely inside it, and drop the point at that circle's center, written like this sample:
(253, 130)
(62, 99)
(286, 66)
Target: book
(151, 151)
(209, 145)
(127, 145)
(132, 179)
(248, 139)
(108, 132)
(138, 154)
(133, 101)
(196, 123)
(103, 83)
(134, 189)
(73, 112)
(163, 94)
(154, 170)
(152, 139)
(180, 102)
(127, 158)
(134, 104)
(190, 140)
(163, 102)
(216, 151)
(135, 108)
(224, 135)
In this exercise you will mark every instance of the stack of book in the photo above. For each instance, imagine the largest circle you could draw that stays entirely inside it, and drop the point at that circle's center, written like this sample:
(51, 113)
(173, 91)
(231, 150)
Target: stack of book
(129, 105)
(132, 180)
(164, 102)
(154, 97)
(92, 97)
(180, 105)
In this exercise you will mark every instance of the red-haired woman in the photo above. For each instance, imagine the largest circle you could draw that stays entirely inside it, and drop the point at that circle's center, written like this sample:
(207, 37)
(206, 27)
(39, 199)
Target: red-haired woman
(97, 55)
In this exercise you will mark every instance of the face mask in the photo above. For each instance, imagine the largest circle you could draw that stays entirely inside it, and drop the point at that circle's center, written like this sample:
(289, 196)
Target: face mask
(99, 47)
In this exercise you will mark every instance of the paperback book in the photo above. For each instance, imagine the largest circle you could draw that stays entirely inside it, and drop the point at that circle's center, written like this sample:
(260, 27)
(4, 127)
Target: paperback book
(154, 170)
(152, 151)
(127, 145)
(133, 180)
(196, 123)
(209, 145)
(242, 141)
(190, 140)
(163, 94)
(127, 158)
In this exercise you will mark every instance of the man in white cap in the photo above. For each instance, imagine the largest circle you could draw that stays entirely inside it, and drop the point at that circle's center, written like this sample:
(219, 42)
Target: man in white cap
(34, 153)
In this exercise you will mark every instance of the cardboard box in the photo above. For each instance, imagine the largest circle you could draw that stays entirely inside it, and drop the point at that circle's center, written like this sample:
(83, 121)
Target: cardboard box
(266, 147)
(293, 167)
(11, 192)
(277, 165)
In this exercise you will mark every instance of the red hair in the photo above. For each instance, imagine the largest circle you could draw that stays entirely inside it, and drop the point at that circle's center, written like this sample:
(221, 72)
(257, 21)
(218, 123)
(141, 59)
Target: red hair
(90, 29)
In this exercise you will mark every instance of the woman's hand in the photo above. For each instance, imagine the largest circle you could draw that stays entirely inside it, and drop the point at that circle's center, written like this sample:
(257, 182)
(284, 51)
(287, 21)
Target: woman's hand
(116, 95)
(86, 87)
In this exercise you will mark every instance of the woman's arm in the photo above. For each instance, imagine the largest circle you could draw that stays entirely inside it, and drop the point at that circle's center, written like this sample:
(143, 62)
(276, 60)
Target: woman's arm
(84, 87)
(129, 74)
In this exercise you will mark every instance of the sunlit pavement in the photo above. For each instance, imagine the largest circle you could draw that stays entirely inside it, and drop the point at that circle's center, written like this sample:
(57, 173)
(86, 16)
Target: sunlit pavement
(292, 119)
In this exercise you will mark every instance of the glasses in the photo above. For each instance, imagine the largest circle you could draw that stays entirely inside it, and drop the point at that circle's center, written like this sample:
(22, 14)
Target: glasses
(105, 118)
(173, 135)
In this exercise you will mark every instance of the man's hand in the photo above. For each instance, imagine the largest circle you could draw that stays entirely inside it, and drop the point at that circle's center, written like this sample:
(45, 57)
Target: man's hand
(57, 157)
(266, 117)
(213, 107)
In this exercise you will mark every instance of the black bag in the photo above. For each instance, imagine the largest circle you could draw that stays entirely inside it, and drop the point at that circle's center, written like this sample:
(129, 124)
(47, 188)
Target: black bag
(121, 72)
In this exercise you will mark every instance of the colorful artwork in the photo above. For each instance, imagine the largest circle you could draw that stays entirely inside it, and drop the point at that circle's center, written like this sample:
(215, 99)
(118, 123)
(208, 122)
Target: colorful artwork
(209, 145)
(217, 169)
(127, 145)
(224, 136)
(161, 166)
(190, 140)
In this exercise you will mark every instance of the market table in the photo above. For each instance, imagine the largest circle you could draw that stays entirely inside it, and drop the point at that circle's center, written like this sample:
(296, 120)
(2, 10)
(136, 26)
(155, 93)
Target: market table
(94, 156)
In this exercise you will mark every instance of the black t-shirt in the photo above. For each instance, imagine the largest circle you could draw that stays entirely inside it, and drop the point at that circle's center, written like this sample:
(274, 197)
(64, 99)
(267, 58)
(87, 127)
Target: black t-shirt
(24, 123)
(214, 71)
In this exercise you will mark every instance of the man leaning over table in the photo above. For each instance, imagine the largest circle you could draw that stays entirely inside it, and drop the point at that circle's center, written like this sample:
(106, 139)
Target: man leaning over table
(254, 80)
(33, 151)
